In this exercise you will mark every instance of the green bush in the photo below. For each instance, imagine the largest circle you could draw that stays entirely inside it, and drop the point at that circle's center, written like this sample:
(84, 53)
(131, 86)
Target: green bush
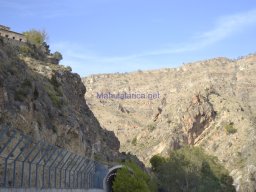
(25, 50)
(131, 178)
(69, 68)
(134, 141)
(57, 55)
(22, 92)
(190, 169)
(54, 82)
(56, 100)
(55, 95)
(230, 128)
(156, 161)
(36, 37)
(32, 50)
(151, 127)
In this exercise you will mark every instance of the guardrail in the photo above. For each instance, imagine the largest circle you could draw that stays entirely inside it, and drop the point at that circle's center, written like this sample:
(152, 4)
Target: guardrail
(25, 163)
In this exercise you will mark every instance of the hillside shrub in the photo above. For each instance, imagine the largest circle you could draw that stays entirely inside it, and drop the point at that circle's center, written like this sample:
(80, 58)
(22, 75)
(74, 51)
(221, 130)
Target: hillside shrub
(134, 141)
(230, 128)
(35, 37)
(190, 169)
(57, 55)
(156, 161)
(131, 178)
(24, 89)
(55, 95)
(151, 127)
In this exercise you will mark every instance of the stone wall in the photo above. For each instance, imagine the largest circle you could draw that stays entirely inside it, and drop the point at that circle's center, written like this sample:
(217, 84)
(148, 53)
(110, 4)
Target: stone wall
(12, 35)
(13, 42)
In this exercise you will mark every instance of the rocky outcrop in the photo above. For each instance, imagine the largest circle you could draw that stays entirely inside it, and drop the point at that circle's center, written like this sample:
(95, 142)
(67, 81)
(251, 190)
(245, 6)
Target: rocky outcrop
(197, 118)
(209, 103)
(46, 101)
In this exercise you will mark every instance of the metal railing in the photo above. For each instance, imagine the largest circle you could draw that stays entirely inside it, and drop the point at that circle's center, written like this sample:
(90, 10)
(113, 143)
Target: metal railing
(25, 163)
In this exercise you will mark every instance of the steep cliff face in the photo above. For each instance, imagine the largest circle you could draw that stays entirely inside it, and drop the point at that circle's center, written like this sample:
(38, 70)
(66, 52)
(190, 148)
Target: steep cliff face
(46, 101)
(208, 103)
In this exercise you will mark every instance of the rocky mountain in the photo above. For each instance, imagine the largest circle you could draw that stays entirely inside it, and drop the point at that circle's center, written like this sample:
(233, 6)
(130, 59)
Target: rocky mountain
(46, 101)
(209, 103)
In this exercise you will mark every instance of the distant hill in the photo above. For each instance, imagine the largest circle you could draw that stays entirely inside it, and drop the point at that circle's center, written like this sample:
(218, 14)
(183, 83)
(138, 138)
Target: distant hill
(209, 103)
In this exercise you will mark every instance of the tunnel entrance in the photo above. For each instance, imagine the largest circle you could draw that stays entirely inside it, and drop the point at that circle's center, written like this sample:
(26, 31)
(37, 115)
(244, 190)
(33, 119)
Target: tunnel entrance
(110, 178)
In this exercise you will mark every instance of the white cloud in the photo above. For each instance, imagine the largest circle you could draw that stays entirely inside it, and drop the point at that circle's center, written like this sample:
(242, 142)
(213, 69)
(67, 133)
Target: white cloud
(227, 26)
(84, 62)
(224, 27)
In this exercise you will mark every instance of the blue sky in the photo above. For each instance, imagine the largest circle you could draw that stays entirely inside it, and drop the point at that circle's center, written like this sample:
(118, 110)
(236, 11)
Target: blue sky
(107, 36)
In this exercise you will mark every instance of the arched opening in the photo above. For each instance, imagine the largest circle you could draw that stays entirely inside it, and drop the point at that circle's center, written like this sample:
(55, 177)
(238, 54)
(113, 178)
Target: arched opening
(110, 181)
(110, 178)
